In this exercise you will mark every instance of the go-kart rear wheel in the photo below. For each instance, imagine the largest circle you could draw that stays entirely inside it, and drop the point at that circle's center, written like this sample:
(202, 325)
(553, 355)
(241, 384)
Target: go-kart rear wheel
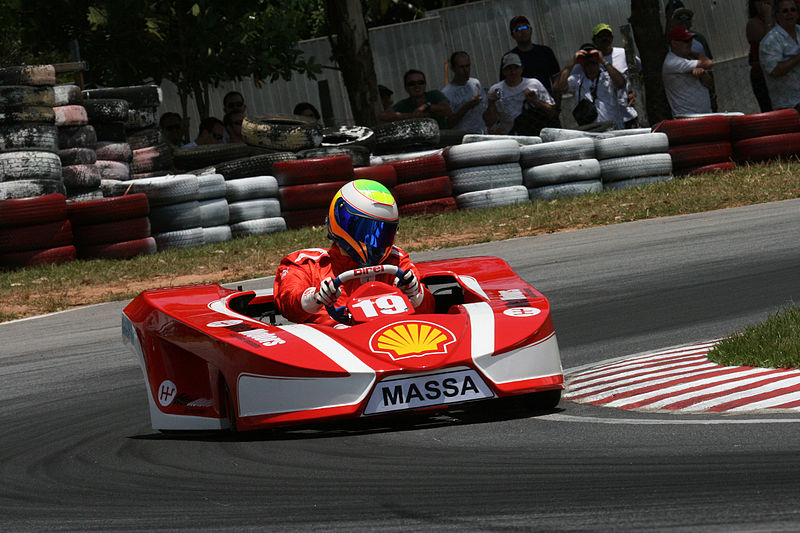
(543, 401)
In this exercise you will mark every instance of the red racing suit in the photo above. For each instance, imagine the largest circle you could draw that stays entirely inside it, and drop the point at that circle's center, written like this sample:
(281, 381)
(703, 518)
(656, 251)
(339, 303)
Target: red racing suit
(307, 268)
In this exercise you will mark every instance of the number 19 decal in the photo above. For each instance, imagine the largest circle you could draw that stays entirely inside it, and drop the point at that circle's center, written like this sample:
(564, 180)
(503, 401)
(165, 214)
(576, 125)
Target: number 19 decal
(392, 304)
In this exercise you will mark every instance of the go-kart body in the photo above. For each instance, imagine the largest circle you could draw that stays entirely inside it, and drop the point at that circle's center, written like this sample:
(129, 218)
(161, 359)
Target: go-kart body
(217, 358)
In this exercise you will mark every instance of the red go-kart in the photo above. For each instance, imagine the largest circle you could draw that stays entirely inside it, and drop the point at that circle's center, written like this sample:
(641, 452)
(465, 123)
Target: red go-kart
(216, 358)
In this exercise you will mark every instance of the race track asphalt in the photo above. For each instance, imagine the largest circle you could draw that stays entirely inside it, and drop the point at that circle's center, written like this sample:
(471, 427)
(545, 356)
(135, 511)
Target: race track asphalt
(77, 452)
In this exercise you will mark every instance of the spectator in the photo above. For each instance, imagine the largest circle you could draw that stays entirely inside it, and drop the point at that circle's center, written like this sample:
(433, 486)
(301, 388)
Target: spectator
(466, 95)
(593, 78)
(779, 52)
(420, 103)
(686, 81)
(171, 125)
(211, 132)
(680, 15)
(759, 23)
(233, 101)
(603, 39)
(538, 61)
(306, 109)
(507, 100)
(386, 96)
(233, 126)
(683, 16)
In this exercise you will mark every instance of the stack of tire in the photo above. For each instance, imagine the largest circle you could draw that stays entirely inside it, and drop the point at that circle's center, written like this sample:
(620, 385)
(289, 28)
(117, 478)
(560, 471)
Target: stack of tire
(290, 133)
(175, 216)
(29, 164)
(214, 211)
(764, 136)
(307, 186)
(247, 167)
(253, 206)
(633, 160)
(77, 142)
(560, 169)
(150, 156)
(698, 144)
(486, 173)
(112, 228)
(423, 185)
(35, 231)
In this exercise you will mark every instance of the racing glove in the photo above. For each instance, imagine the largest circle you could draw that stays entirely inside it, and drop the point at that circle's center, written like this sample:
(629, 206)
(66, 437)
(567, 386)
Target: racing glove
(314, 299)
(410, 286)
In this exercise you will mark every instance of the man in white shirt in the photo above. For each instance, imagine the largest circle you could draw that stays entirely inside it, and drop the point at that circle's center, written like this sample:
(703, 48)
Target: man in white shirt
(779, 53)
(506, 99)
(686, 81)
(603, 39)
(466, 95)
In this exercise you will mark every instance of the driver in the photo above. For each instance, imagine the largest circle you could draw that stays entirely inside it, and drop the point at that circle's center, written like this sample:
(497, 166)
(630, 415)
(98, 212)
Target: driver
(362, 221)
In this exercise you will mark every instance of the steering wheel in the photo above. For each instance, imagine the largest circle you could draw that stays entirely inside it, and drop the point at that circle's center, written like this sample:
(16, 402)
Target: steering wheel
(341, 314)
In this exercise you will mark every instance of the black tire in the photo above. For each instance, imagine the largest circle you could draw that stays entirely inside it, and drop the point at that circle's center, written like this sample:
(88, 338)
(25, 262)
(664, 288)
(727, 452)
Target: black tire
(111, 131)
(28, 75)
(247, 167)
(411, 132)
(144, 138)
(26, 165)
(80, 176)
(103, 110)
(23, 95)
(141, 118)
(77, 137)
(194, 157)
(42, 114)
(14, 137)
(348, 136)
(281, 132)
(67, 95)
(358, 154)
(77, 156)
(137, 95)
(114, 151)
(29, 188)
(113, 170)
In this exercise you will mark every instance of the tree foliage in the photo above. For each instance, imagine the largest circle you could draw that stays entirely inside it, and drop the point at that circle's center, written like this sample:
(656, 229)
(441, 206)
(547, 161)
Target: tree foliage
(193, 43)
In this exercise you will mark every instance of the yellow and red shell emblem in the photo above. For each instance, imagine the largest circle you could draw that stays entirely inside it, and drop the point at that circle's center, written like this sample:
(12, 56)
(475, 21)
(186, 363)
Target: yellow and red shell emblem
(411, 339)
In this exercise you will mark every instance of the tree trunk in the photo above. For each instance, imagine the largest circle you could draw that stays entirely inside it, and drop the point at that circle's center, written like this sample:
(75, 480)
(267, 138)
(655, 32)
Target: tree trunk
(649, 36)
(351, 50)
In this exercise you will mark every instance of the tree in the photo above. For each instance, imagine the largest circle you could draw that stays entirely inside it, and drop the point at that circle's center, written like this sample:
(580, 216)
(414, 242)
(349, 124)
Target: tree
(352, 51)
(649, 36)
(193, 43)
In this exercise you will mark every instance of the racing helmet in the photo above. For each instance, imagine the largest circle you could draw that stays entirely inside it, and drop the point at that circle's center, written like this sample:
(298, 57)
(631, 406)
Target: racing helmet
(362, 220)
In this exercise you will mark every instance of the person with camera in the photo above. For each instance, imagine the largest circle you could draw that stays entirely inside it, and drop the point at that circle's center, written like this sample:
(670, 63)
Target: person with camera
(518, 105)
(594, 82)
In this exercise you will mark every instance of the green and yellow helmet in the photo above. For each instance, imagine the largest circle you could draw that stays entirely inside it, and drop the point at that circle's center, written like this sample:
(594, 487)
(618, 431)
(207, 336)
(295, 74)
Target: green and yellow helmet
(362, 220)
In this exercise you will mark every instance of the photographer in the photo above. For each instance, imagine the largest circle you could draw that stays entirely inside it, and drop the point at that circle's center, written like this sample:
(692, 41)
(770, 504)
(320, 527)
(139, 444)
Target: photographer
(594, 83)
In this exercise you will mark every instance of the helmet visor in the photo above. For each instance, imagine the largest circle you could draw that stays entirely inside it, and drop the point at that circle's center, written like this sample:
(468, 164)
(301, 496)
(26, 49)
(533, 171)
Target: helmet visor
(375, 236)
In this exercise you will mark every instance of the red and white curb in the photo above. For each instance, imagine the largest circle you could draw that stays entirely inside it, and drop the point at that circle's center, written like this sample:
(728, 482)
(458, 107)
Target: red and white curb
(682, 379)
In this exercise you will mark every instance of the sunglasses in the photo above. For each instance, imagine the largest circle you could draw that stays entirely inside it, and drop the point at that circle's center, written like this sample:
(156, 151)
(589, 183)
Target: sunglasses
(414, 83)
(789, 10)
(521, 28)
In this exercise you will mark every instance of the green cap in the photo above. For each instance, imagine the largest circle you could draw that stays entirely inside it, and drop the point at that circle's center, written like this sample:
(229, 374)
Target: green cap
(601, 27)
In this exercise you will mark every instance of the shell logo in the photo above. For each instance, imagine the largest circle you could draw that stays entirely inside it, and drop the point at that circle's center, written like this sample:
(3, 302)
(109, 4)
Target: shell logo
(411, 339)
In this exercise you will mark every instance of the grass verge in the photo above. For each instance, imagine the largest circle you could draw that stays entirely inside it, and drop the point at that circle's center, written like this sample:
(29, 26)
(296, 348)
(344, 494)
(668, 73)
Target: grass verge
(51, 288)
(775, 343)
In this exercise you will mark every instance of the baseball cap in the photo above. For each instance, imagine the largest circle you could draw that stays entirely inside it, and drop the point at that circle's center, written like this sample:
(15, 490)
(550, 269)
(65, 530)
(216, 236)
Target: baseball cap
(511, 59)
(384, 90)
(680, 33)
(683, 13)
(519, 19)
(601, 27)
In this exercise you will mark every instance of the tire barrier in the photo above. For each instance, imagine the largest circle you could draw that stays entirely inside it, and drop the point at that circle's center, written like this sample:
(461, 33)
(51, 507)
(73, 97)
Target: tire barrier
(253, 206)
(422, 179)
(633, 160)
(561, 168)
(34, 231)
(281, 132)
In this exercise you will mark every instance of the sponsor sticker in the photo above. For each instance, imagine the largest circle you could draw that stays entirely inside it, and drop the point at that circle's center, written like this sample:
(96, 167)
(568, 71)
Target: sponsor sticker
(166, 392)
(223, 323)
(411, 339)
(522, 311)
(425, 391)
